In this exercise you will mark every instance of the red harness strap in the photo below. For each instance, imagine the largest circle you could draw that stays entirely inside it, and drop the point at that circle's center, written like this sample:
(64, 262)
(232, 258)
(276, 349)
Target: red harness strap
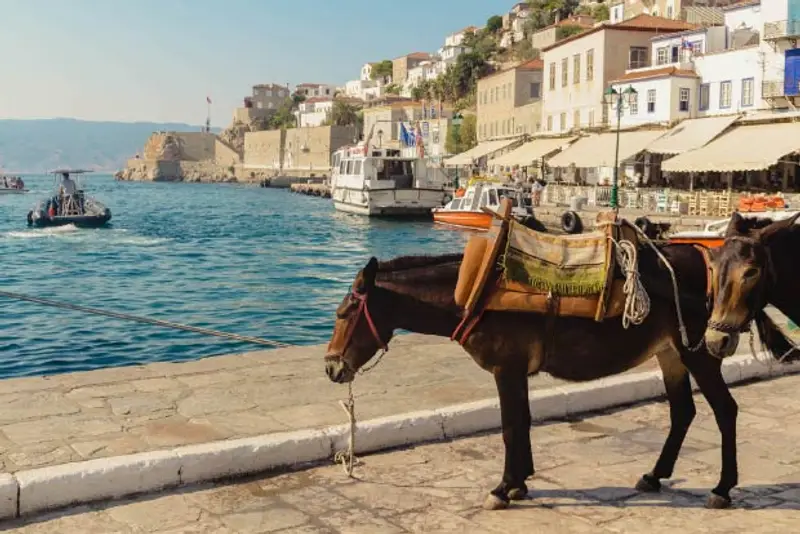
(363, 309)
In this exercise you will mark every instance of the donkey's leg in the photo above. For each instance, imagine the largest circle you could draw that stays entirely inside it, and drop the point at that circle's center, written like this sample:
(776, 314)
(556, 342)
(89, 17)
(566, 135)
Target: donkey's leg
(515, 415)
(706, 370)
(681, 414)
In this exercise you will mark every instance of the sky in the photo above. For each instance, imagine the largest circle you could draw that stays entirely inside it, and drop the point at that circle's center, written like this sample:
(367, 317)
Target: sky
(158, 60)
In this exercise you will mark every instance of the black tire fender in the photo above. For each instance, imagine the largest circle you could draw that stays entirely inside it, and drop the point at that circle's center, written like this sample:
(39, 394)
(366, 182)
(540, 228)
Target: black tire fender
(571, 223)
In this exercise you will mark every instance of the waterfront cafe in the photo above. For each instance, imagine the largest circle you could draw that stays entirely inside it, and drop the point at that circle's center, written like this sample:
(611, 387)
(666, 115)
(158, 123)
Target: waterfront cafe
(758, 154)
(590, 160)
(478, 156)
(531, 156)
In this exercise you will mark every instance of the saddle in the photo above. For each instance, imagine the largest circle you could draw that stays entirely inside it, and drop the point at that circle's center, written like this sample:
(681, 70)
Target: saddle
(517, 269)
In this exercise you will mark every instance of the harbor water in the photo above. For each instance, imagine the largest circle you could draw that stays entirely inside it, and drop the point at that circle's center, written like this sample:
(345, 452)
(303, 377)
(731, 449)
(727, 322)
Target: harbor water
(248, 260)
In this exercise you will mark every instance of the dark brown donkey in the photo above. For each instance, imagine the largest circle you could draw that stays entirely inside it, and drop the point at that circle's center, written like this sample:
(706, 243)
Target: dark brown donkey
(417, 294)
(756, 265)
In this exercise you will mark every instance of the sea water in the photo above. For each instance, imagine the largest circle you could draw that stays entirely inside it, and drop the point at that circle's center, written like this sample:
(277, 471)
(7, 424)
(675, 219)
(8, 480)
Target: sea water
(246, 260)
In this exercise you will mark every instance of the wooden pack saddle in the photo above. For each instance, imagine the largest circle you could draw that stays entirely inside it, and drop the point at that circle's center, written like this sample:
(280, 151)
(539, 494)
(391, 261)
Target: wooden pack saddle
(514, 268)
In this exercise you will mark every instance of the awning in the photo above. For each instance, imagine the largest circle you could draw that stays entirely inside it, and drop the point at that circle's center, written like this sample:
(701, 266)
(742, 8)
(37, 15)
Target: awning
(598, 150)
(745, 148)
(476, 152)
(691, 134)
(532, 151)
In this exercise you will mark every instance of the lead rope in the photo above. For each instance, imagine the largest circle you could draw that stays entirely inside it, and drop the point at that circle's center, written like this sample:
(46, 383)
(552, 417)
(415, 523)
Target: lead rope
(347, 458)
(637, 301)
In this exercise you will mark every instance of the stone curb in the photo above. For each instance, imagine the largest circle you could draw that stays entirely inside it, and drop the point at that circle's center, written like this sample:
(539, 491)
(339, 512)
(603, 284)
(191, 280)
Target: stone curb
(36, 490)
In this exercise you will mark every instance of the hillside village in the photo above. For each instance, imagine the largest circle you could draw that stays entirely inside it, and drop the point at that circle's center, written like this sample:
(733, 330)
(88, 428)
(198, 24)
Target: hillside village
(544, 69)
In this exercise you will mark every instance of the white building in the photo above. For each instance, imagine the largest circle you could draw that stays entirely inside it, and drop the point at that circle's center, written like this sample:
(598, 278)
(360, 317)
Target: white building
(717, 70)
(366, 72)
(456, 38)
(312, 90)
(314, 111)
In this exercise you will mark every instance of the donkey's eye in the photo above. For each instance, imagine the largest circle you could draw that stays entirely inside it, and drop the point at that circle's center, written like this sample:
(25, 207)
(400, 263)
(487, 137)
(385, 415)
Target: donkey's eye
(750, 272)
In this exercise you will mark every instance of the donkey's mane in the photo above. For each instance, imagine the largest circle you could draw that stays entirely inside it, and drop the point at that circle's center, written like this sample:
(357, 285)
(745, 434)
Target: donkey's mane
(406, 268)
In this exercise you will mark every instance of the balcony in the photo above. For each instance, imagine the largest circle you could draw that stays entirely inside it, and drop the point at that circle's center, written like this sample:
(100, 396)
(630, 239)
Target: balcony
(772, 89)
(782, 29)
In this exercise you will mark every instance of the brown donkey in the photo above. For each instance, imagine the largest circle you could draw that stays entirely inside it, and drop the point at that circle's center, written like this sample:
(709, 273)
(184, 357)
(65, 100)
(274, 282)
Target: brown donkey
(417, 294)
(756, 265)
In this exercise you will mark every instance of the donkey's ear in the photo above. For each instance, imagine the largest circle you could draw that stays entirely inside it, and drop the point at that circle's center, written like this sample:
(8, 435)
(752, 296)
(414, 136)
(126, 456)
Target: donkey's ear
(366, 278)
(735, 225)
(772, 230)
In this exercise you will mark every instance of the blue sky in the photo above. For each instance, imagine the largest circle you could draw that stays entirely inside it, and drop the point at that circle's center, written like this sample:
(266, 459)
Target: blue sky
(156, 60)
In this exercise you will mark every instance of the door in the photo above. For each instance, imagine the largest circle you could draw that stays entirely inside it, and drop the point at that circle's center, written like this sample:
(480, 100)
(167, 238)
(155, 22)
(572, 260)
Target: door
(791, 73)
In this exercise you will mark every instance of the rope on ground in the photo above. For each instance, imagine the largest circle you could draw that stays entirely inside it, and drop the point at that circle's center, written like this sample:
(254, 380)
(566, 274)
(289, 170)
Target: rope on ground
(145, 320)
(348, 458)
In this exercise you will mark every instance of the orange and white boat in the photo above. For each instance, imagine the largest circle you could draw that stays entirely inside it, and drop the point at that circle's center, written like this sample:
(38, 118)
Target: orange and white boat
(465, 210)
(713, 234)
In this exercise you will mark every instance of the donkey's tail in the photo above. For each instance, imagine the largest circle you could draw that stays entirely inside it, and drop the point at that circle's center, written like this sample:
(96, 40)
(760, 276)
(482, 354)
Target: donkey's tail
(775, 340)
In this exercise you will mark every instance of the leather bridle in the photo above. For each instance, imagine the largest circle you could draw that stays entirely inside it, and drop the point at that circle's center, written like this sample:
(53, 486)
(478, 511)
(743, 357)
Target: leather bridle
(761, 288)
(362, 311)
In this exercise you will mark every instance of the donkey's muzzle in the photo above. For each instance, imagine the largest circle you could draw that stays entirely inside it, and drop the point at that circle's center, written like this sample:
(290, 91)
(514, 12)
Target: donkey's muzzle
(721, 344)
(337, 370)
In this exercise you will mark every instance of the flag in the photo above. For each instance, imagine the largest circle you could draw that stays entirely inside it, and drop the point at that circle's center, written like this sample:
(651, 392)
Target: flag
(420, 144)
(406, 137)
(208, 99)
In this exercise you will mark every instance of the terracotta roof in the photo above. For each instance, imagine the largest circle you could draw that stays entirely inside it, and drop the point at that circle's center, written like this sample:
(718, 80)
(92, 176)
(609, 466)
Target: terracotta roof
(419, 55)
(310, 85)
(656, 73)
(646, 23)
(699, 29)
(533, 64)
(743, 3)
(465, 30)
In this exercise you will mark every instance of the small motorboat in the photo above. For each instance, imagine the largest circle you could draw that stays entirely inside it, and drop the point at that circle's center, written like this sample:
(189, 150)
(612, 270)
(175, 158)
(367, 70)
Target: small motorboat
(713, 234)
(12, 185)
(69, 205)
(465, 210)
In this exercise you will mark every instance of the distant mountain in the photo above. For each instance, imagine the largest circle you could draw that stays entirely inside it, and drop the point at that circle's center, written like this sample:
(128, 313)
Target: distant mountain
(35, 146)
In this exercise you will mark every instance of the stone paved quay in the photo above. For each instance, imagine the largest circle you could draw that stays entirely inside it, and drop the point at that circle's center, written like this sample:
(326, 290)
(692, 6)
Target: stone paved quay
(72, 417)
(585, 473)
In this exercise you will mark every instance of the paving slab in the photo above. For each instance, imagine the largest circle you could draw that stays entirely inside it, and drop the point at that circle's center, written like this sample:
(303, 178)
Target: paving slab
(585, 473)
(64, 418)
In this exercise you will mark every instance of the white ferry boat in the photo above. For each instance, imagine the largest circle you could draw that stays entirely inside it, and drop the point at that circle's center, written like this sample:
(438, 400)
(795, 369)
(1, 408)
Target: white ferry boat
(381, 182)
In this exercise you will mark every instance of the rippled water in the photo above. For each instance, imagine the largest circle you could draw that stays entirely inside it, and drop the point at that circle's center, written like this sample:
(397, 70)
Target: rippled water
(253, 261)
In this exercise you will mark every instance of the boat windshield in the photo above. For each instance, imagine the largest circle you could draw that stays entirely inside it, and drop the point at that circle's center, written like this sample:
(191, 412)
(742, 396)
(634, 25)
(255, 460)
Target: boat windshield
(511, 195)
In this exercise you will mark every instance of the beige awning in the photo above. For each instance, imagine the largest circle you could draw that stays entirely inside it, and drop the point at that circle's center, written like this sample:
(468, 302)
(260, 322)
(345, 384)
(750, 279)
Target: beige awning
(745, 148)
(482, 149)
(532, 151)
(598, 150)
(691, 134)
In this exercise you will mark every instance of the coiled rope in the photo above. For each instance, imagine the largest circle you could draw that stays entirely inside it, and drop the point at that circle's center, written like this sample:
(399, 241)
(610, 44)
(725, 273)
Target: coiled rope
(637, 301)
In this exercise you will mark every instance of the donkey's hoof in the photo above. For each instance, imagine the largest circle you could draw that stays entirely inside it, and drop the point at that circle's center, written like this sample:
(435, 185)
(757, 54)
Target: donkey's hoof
(518, 494)
(648, 484)
(493, 502)
(717, 502)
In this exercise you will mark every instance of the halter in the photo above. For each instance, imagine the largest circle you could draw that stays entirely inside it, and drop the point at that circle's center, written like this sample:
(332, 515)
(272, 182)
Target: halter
(762, 285)
(363, 310)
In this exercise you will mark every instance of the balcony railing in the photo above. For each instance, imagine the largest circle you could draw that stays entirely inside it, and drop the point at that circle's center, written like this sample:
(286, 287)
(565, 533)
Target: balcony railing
(781, 29)
(772, 88)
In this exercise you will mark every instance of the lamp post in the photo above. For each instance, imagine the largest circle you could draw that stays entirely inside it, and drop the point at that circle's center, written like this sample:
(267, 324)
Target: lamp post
(380, 138)
(618, 99)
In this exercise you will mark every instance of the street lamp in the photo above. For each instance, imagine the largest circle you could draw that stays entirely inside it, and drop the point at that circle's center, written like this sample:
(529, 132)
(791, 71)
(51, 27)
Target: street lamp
(620, 100)
(380, 138)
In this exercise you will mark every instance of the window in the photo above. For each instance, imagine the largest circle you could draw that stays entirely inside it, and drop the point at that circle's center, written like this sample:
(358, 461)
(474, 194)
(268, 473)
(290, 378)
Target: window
(705, 93)
(552, 76)
(675, 52)
(456, 204)
(696, 46)
(591, 117)
(590, 65)
(634, 105)
(350, 166)
(725, 95)
(651, 100)
(343, 167)
(357, 168)
(549, 123)
(637, 57)
(661, 56)
(536, 90)
(683, 99)
(563, 121)
(576, 69)
(493, 197)
(504, 92)
(747, 92)
(564, 72)
(576, 119)
(669, 12)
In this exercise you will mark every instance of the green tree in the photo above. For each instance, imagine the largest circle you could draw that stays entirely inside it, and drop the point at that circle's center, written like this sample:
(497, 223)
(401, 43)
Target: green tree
(468, 132)
(562, 32)
(283, 118)
(494, 24)
(543, 12)
(381, 69)
(393, 89)
(452, 143)
(343, 114)
(600, 12)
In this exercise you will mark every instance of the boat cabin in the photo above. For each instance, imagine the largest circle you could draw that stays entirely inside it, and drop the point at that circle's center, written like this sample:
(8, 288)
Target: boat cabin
(379, 168)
